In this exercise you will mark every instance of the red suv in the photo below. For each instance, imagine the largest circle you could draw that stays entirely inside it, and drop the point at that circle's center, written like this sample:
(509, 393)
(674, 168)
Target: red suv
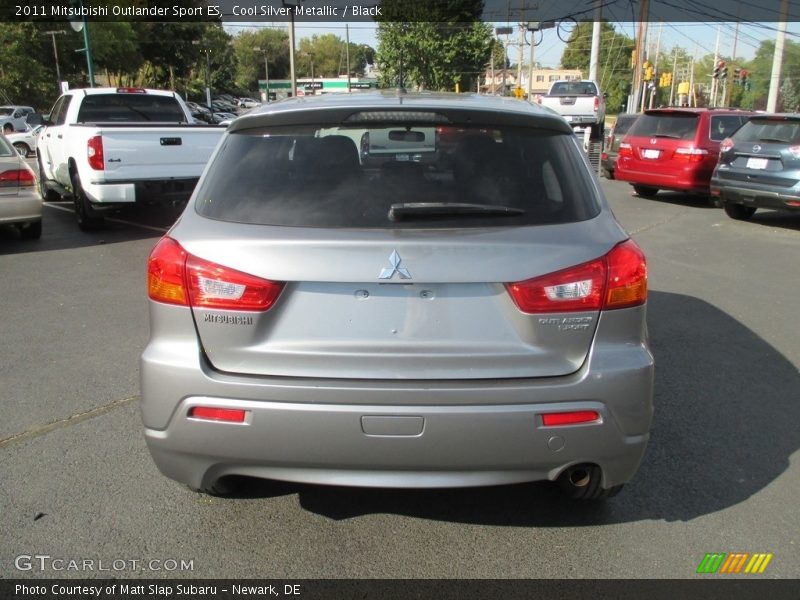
(675, 148)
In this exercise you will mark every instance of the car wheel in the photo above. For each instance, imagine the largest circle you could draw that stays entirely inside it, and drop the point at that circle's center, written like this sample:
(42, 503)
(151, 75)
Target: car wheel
(87, 219)
(740, 212)
(31, 232)
(8, 128)
(645, 191)
(22, 148)
(582, 482)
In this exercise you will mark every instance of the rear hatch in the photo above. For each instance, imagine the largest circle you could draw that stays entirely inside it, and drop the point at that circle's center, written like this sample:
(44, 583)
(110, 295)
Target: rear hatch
(399, 270)
(663, 142)
(765, 151)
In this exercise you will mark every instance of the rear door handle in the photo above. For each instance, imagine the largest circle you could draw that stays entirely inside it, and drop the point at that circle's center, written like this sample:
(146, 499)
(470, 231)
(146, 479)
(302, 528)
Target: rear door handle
(60, 136)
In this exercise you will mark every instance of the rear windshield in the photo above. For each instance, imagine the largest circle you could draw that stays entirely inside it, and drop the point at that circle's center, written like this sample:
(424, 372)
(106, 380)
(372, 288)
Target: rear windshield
(723, 126)
(131, 108)
(675, 125)
(398, 176)
(573, 88)
(768, 130)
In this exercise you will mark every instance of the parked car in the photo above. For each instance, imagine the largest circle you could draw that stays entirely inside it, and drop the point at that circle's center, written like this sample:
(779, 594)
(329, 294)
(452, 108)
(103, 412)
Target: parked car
(25, 141)
(12, 118)
(248, 103)
(580, 102)
(107, 148)
(20, 202)
(613, 140)
(675, 149)
(473, 321)
(759, 166)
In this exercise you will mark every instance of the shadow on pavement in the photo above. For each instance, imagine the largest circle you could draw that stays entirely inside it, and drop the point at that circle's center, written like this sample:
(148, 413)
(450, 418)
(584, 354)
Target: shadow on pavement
(725, 427)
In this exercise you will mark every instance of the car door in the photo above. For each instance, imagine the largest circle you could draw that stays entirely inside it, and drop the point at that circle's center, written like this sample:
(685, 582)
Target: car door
(55, 157)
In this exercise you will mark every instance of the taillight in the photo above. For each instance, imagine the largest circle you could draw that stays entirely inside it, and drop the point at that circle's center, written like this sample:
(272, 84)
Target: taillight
(616, 280)
(596, 103)
(131, 90)
(94, 151)
(176, 277)
(604, 156)
(17, 178)
(690, 154)
(725, 145)
(625, 150)
(794, 151)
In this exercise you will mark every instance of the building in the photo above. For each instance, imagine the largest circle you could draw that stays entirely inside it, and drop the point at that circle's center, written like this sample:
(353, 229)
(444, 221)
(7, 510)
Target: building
(279, 88)
(498, 80)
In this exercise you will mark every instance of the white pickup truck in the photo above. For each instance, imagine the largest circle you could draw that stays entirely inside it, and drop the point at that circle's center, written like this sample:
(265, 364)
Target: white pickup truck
(111, 147)
(580, 102)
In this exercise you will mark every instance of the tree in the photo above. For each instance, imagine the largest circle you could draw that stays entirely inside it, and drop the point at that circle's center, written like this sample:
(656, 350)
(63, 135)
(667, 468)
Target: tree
(499, 56)
(442, 45)
(615, 71)
(250, 62)
(326, 52)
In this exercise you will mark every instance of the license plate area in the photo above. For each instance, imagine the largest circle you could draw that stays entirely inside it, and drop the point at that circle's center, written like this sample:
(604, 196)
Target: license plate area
(757, 163)
(651, 153)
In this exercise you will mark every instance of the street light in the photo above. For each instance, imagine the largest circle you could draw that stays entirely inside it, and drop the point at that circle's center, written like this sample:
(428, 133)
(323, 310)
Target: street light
(54, 33)
(292, 74)
(266, 67)
(208, 72)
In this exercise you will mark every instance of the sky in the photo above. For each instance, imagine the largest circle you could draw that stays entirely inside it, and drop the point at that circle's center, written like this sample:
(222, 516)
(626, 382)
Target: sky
(694, 37)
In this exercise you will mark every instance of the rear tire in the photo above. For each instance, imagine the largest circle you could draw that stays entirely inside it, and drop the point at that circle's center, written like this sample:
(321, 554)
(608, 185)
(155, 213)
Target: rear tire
(32, 232)
(740, 212)
(608, 174)
(22, 148)
(645, 191)
(583, 484)
(87, 219)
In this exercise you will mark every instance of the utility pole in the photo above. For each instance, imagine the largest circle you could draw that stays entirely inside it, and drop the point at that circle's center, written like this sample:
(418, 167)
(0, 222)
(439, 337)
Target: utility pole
(53, 33)
(640, 38)
(655, 63)
(266, 66)
(530, 65)
(714, 82)
(594, 57)
(777, 60)
(347, 53)
(672, 82)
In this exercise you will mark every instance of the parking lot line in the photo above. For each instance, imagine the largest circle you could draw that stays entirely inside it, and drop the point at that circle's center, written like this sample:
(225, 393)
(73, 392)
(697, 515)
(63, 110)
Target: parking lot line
(120, 221)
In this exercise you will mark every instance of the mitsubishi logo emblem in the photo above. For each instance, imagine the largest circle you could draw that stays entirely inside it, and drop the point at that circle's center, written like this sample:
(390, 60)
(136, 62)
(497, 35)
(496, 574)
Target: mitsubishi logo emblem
(394, 261)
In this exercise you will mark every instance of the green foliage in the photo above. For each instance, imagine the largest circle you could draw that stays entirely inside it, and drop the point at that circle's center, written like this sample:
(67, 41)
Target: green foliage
(615, 71)
(250, 62)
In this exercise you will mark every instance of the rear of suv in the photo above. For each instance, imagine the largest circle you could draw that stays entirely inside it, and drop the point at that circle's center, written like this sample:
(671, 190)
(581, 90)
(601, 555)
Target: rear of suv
(675, 149)
(475, 317)
(759, 167)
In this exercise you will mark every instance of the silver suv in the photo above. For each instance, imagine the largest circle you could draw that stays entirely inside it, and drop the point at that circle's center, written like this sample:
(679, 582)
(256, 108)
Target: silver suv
(451, 304)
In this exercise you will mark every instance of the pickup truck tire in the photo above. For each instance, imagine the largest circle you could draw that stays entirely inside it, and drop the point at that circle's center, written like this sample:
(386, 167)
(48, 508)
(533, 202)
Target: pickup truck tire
(645, 191)
(84, 214)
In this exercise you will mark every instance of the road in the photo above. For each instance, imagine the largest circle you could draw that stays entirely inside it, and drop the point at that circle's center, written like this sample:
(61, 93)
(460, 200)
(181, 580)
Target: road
(721, 473)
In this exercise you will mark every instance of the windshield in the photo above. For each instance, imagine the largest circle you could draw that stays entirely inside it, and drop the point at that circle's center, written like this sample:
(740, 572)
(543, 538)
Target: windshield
(405, 175)
(676, 125)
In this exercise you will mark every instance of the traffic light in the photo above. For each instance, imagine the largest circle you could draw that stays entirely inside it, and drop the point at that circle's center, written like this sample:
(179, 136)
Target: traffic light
(720, 70)
(737, 75)
(649, 72)
(668, 79)
(743, 78)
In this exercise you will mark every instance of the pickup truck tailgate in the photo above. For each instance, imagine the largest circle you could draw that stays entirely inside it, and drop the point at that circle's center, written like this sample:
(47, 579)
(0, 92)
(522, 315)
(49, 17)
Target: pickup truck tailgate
(161, 153)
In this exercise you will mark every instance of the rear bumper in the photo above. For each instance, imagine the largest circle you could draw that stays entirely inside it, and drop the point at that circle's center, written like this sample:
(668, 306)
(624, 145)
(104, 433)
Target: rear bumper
(23, 208)
(428, 433)
(689, 179)
(157, 190)
(777, 199)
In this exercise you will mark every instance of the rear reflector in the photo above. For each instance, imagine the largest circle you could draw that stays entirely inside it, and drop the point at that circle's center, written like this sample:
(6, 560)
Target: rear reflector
(207, 413)
(570, 418)
(616, 280)
(794, 203)
(176, 277)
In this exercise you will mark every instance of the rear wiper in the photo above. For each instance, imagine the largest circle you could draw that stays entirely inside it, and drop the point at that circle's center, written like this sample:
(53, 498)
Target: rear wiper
(437, 209)
(779, 141)
(668, 135)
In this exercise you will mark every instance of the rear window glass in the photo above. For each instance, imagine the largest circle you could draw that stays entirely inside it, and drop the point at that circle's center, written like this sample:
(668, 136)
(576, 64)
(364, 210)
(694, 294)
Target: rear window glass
(110, 108)
(623, 124)
(675, 125)
(357, 177)
(767, 130)
(723, 126)
(573, 88)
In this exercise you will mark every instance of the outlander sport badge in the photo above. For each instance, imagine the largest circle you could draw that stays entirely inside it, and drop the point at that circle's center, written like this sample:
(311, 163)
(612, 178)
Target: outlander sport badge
(394, 261)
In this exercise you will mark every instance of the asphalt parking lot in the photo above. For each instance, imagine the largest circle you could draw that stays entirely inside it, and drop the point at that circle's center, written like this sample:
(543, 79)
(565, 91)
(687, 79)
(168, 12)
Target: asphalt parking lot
(721, 473)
